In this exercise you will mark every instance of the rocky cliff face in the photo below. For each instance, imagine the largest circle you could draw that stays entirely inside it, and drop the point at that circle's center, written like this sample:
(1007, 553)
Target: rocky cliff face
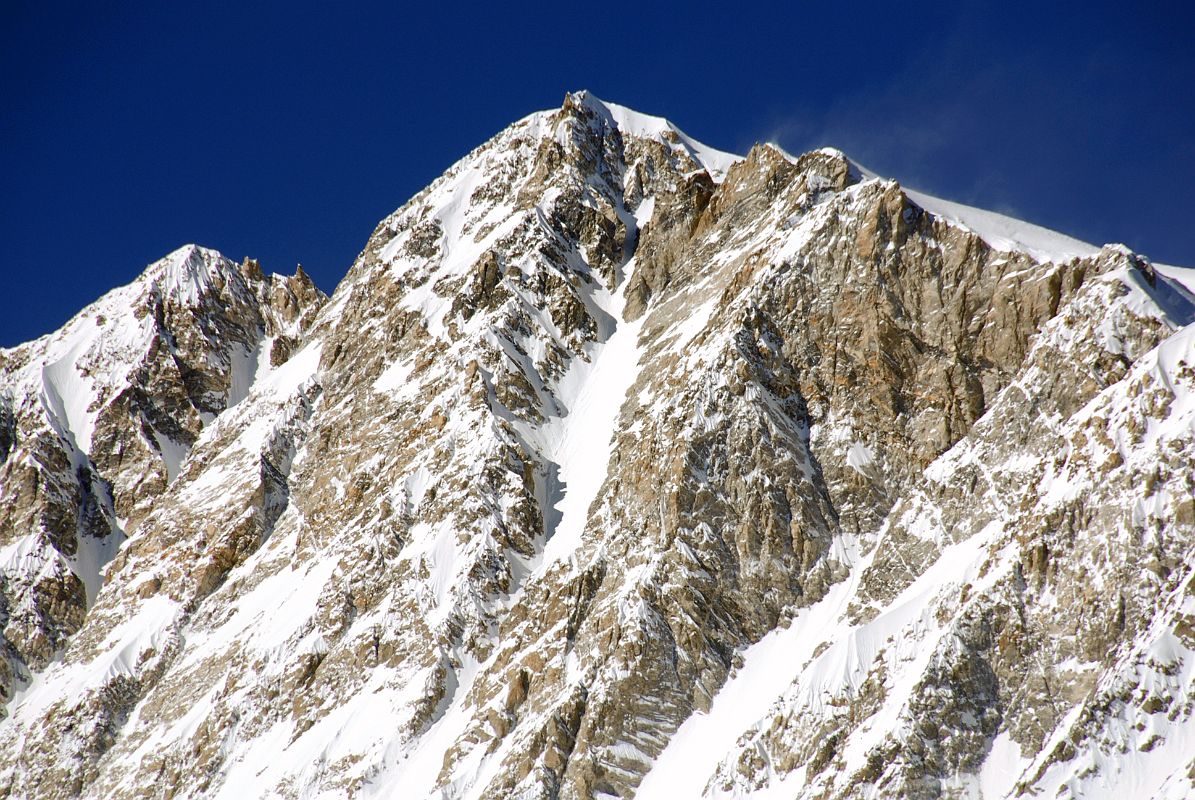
(616, 466)
(98, 418)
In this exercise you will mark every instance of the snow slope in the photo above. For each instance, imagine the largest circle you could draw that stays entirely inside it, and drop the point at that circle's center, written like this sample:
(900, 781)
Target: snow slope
(1006, 233)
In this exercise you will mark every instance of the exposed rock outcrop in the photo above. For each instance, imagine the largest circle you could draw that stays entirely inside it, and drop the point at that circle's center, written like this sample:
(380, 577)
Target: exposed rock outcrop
(616, 466)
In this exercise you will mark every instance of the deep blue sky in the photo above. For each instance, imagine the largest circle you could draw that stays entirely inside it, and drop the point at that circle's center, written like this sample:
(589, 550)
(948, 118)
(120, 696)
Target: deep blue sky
(286, 130)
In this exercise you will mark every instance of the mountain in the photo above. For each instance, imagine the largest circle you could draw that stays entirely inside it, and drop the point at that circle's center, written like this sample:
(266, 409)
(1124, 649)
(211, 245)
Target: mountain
(616, 466)
(97, 419)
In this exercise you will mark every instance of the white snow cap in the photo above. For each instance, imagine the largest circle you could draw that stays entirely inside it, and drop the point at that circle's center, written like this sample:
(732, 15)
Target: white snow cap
(999, 231)
(644, 126)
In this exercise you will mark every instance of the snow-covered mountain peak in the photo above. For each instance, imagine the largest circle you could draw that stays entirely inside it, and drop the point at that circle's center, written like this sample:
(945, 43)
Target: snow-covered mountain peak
(98, 418)
(633, 123)
(191, 291)
(615, 466)
(191, 272)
